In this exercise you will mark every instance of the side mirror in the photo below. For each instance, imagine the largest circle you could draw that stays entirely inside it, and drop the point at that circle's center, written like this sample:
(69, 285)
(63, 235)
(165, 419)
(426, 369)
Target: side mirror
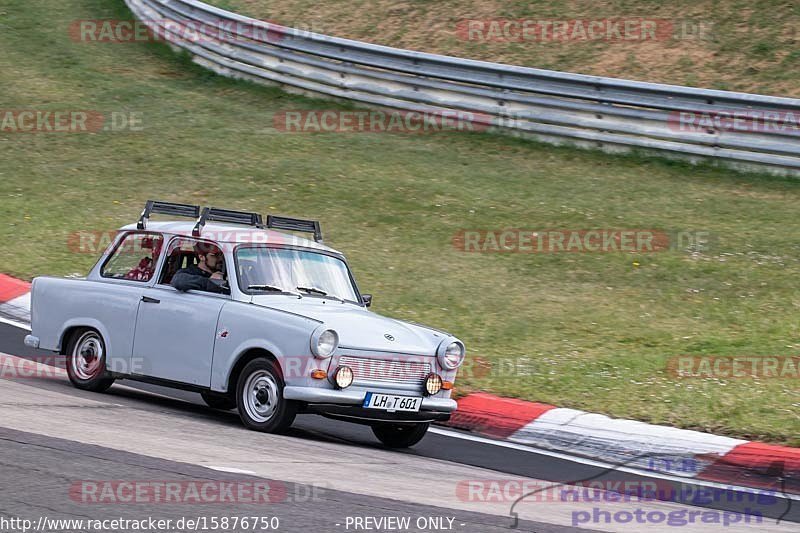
(366, 299)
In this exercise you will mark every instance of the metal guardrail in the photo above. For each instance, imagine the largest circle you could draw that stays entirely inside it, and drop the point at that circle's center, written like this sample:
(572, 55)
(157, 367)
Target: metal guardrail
(589, 111)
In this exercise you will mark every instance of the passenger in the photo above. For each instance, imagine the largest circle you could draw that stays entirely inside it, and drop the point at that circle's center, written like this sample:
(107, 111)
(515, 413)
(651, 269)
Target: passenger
(146, 267)
(141, 272)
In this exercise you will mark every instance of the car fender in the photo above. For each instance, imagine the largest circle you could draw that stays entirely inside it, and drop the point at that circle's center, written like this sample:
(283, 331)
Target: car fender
(112, 361)
(84, 322)
(244, 327)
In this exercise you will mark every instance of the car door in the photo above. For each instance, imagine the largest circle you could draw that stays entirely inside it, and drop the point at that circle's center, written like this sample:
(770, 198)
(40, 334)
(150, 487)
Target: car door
(176, 331)
(118, 282)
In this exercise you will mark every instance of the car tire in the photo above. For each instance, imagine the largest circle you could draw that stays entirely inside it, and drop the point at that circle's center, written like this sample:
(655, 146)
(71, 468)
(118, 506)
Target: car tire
(400, 435)
(216, 400)
(259, 398)
(86, 361)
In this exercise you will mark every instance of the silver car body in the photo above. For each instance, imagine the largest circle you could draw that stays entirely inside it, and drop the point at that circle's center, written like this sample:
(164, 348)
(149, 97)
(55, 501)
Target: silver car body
(196, 339)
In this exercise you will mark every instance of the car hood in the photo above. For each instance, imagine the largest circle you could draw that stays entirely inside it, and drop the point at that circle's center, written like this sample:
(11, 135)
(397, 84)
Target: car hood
(359, 328)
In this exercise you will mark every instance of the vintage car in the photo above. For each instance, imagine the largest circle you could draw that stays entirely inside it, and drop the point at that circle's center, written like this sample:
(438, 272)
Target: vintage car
(280, 327)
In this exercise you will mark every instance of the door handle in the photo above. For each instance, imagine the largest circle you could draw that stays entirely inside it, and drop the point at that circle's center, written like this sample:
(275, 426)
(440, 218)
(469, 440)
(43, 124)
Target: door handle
(148, 300)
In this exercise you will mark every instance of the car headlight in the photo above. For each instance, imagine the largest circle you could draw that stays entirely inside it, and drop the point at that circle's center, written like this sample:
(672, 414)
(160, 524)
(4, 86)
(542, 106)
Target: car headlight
(324, 342)
(451, 354)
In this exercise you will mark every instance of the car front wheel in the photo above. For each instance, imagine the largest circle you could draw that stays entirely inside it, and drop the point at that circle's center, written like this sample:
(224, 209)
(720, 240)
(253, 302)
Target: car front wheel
(400, 435)
(259, 398)
(86, 361)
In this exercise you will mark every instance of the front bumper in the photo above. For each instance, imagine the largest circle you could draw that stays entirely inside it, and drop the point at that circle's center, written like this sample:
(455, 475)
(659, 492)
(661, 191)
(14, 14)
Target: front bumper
(354, 413)
(347, 404)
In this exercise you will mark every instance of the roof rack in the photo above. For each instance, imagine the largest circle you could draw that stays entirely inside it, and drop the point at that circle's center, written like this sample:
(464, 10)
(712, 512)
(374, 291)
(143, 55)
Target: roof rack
(166, 208)
(295, 224)
(207, 214)
(229, 216)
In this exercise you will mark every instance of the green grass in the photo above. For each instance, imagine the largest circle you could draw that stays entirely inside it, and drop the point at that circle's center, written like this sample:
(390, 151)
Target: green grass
(593, 331)
(730, 44)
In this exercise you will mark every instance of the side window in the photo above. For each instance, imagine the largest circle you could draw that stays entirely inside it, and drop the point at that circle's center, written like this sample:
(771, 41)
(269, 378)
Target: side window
(183, 253)
(134, 258)
(180, 255)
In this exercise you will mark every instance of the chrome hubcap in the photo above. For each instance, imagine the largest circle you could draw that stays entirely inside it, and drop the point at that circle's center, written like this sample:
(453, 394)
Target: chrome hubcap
(87, 357)
(260, 396)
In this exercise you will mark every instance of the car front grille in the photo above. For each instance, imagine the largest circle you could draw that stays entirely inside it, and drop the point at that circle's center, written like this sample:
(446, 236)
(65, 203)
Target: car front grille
(383, 371)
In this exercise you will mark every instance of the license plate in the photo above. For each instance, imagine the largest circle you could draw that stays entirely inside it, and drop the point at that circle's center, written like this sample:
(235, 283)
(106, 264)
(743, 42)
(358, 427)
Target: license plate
(391, 402)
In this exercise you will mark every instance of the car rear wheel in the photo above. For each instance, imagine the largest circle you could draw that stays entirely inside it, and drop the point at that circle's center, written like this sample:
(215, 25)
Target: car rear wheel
(86, 361)
(259, 397)
(400, 435)
(215, 400)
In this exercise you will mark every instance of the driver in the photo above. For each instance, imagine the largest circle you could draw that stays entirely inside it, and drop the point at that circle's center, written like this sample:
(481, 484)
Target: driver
(207, 275)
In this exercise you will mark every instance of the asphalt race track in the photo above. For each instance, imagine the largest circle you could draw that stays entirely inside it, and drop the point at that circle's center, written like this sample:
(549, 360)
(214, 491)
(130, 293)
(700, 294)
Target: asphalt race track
(67, 453)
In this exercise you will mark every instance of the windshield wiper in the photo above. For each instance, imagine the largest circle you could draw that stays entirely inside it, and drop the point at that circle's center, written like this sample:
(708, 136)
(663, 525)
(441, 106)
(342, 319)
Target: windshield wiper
(314, 290)
(272, 288)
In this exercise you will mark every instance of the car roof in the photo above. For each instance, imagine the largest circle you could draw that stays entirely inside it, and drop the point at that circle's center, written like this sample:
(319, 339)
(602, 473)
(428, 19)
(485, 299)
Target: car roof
(230, 233)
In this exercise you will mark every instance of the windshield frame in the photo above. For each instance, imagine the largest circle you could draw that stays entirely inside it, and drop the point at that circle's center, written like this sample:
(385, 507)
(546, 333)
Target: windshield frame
(340, 257)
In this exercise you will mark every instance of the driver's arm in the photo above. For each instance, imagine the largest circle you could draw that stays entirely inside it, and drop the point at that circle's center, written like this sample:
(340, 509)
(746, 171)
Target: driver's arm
(183, 281)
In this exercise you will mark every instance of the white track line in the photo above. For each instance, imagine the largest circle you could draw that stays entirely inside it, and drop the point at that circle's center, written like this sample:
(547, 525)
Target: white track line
(232, 470)
(16, 324)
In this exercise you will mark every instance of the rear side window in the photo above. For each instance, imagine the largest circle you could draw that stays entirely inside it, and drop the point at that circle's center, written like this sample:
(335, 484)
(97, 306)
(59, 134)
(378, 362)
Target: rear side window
(134, 258)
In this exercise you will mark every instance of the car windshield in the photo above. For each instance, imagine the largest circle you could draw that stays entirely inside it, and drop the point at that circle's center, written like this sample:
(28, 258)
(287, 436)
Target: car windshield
(266, 270)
